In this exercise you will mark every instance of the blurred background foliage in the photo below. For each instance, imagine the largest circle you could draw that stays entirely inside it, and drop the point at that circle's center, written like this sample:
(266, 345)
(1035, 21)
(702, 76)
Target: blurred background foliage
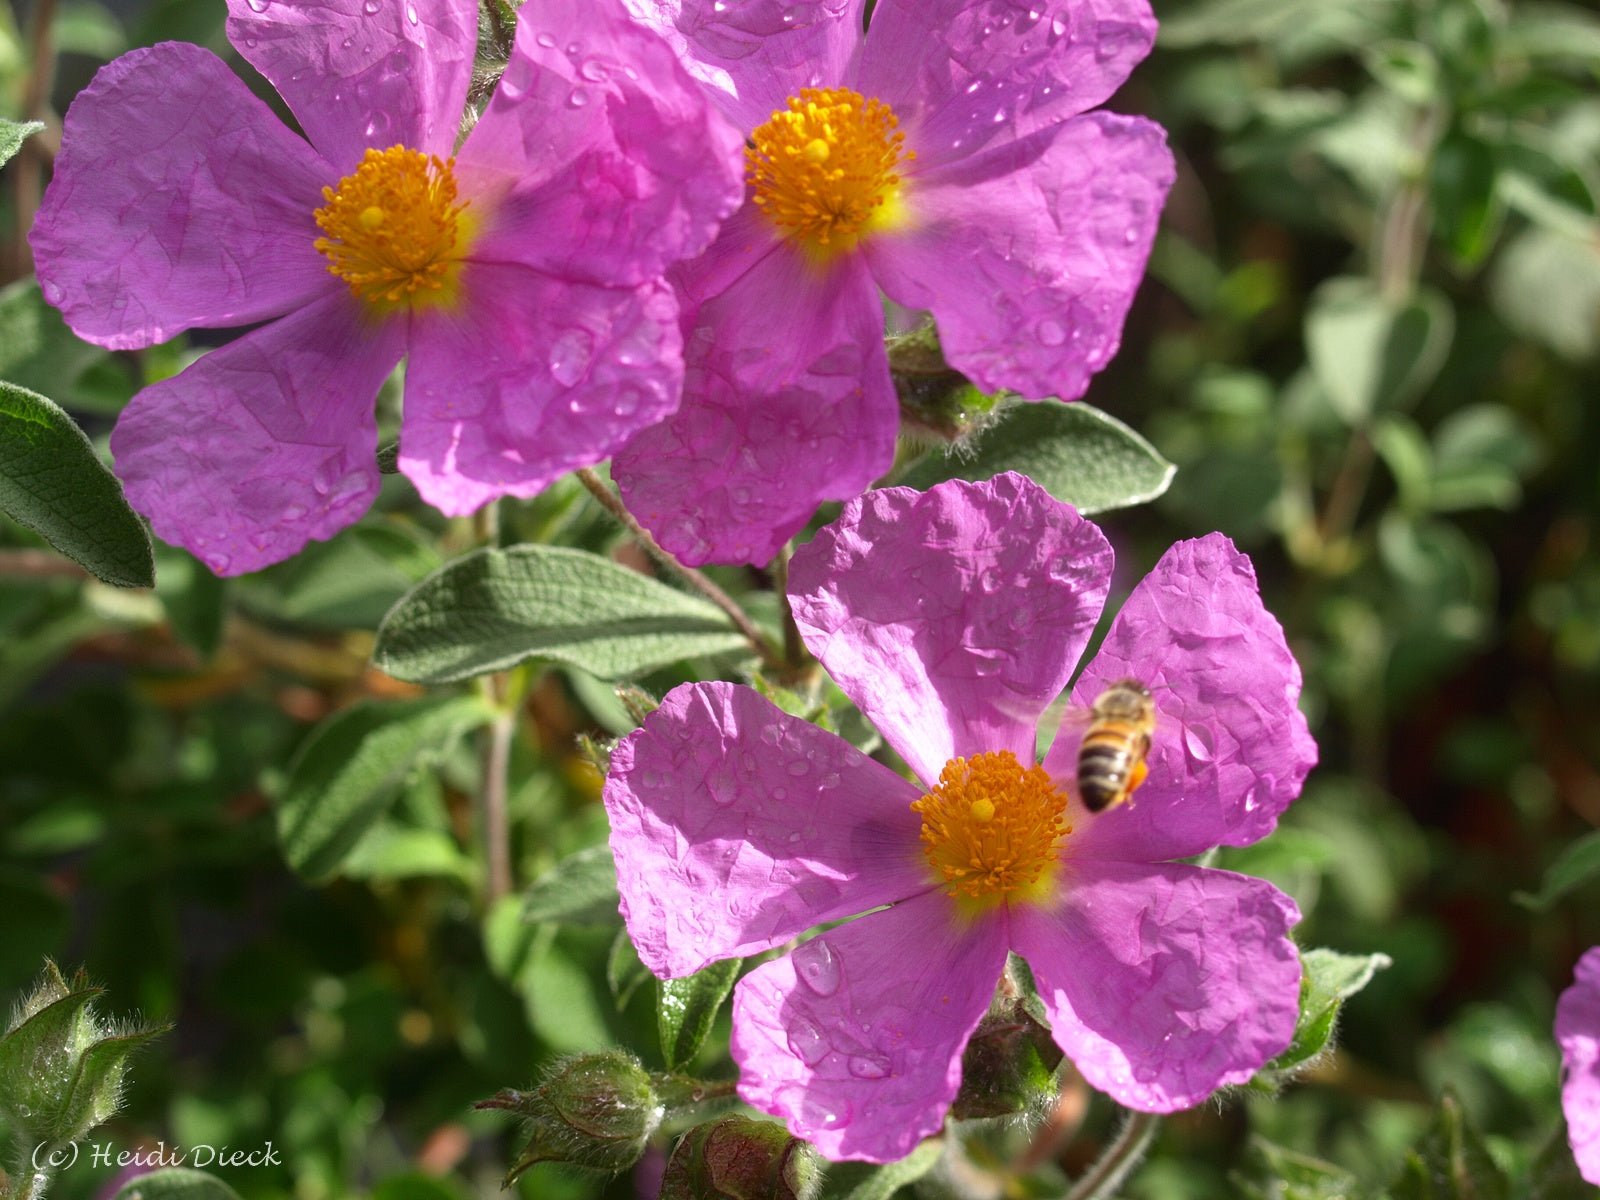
(1369, 341)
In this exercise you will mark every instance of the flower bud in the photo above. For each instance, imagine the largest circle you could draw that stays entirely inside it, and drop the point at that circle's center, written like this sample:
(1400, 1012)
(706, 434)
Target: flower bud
(61, 1066)
(594, 1110)
(936, 400)
(1009, 1064)
(735, 1158)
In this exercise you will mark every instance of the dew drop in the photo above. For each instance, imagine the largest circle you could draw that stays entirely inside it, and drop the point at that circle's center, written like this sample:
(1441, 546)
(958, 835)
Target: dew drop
(1051, 333)
(577, 98)
(259, 6)
(593, 70)
(294, 512)
(1198, 743)
(807, 1041)
(219, 562)
(1058, 26)
(818, 967)
(771, 735)
(569, 357)
(411, 13)
(868, 1066)
(370, 7)
(547, 40)
(798, 768)
(1130, 236)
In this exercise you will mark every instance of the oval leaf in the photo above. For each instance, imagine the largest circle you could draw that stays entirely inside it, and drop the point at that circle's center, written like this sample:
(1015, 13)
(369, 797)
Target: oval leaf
(1329, 979)
(350, 769)
(12, 134)
(1577, 865)
(867, 1181)
(580, 890)
(1074, 451)
(496, 608)
(52, 483)
(177, 1183)
(687, 1008)
(1369, 352)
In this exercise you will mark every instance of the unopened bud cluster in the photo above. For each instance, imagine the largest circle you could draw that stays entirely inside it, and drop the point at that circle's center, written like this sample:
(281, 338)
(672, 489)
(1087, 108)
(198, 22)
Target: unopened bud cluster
(735, 1158)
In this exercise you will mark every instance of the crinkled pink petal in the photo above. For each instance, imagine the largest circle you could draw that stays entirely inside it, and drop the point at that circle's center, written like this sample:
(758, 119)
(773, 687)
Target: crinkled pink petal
(962, 73)
(786, 402)
(179, 200)
(754, 54)
(1030, 255)
(1231, 747)
(855, 1038)
(952, 617)
(364, 73)
(264, 444)
(529, 378)
(737, 827)
(1163, 982)
(1578, 1034)
(598, 158)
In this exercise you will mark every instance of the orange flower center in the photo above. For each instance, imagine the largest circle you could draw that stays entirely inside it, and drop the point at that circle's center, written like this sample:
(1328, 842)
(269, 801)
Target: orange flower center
(824, 169)
(393, 228)
(992, 828)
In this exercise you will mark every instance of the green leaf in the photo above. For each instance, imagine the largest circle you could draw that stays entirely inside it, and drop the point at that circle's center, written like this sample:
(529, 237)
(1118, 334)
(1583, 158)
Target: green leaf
(1554, 1173)
(1279, 1174)
(864, 1181)
(39, 352)
(177, 1183)
(1451, 1162)
(1370, 353)
(1074, 451)
(1546, 286)
(350, 769)
(1467, 208)
(391, 851)
(580, 890)
(195, 600)
(625, 974)
(1577, 865)
(1328, 980)
(494, 609)
(12, 135)
(51, 482)
(687, 1008)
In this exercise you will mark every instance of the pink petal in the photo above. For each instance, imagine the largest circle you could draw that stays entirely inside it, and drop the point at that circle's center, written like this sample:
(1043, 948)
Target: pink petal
(1578, 1033)
(961, 73)
(264, 444)
(952, 617)
(736, 827)
(1029, 256)
(532, 377)
(855, 1039)
(755, 54)
(1163, 982)
(364, 73)
(598, 157)
(179, 200)
(1231, 748)
(787, 402)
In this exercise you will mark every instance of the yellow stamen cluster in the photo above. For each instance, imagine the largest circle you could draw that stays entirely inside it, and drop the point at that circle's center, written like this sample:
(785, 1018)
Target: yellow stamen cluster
(823, 169)
(393, 226)
(991, 827)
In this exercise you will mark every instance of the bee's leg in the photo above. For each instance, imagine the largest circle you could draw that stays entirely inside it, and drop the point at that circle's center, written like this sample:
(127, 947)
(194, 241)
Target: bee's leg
(1140, 771)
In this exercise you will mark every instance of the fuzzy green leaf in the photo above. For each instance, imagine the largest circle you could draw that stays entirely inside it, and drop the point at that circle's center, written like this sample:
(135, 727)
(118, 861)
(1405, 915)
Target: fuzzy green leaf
(1577, 865)
(580, 890)
(351, 768)
(177, 1183)
(494, 609)
(1370, 353)
(688, 1007)
(864, 1181)
(13, 134)
(1074, 451)
(51, 482)
(1451, 1162)
(1329, 979)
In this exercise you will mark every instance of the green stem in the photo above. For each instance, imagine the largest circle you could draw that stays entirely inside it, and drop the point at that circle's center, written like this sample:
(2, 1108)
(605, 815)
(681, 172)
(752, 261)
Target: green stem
(1101, 1181)
(794, 650)
(698, 580)
(505, 691)
(680, 1091)
(27, 169)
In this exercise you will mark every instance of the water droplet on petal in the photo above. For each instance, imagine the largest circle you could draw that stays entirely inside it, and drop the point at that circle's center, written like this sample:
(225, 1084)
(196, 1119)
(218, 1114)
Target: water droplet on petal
(411, 13)
(569, 357)
(818, 967)
(547, 40)
(868, 1066)
(259, 6)
(1051, 333)
(807, 1041)
(593, 70)
(370, 7)
(1197, 741)
(577, 98)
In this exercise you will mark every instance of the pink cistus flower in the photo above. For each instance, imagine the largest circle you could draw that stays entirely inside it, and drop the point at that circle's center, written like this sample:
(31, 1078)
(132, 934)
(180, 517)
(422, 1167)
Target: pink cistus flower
(953, 618)
(1578, 1034)
(946, 158)
(522, 276)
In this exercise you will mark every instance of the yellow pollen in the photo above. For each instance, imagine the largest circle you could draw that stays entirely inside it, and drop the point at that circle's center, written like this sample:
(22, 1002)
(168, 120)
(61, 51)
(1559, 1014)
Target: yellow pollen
(824, 169)
(991, 828)
(393, 228)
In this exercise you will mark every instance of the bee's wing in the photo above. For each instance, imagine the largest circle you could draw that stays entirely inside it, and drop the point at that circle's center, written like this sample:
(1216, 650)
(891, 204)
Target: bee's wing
(1062, 718)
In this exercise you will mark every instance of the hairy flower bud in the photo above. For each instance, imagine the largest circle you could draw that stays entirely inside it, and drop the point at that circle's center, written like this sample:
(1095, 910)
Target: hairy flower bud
(735, 1158)
(594, 1110)
(1009, 1064)
(937, 402)
(61, 1066)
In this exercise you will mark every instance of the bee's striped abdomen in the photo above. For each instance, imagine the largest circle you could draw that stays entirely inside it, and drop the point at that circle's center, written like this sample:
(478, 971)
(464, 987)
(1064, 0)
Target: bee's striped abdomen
(1106, 760)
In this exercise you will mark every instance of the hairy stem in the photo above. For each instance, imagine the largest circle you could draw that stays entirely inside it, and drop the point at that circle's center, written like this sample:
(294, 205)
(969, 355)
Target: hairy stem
(496, 788)
(1101, 1181)
(27, 169)
(698, 580)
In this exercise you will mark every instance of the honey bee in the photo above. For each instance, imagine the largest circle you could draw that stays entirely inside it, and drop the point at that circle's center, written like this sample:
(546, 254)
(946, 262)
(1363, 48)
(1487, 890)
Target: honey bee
(1111, 757)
